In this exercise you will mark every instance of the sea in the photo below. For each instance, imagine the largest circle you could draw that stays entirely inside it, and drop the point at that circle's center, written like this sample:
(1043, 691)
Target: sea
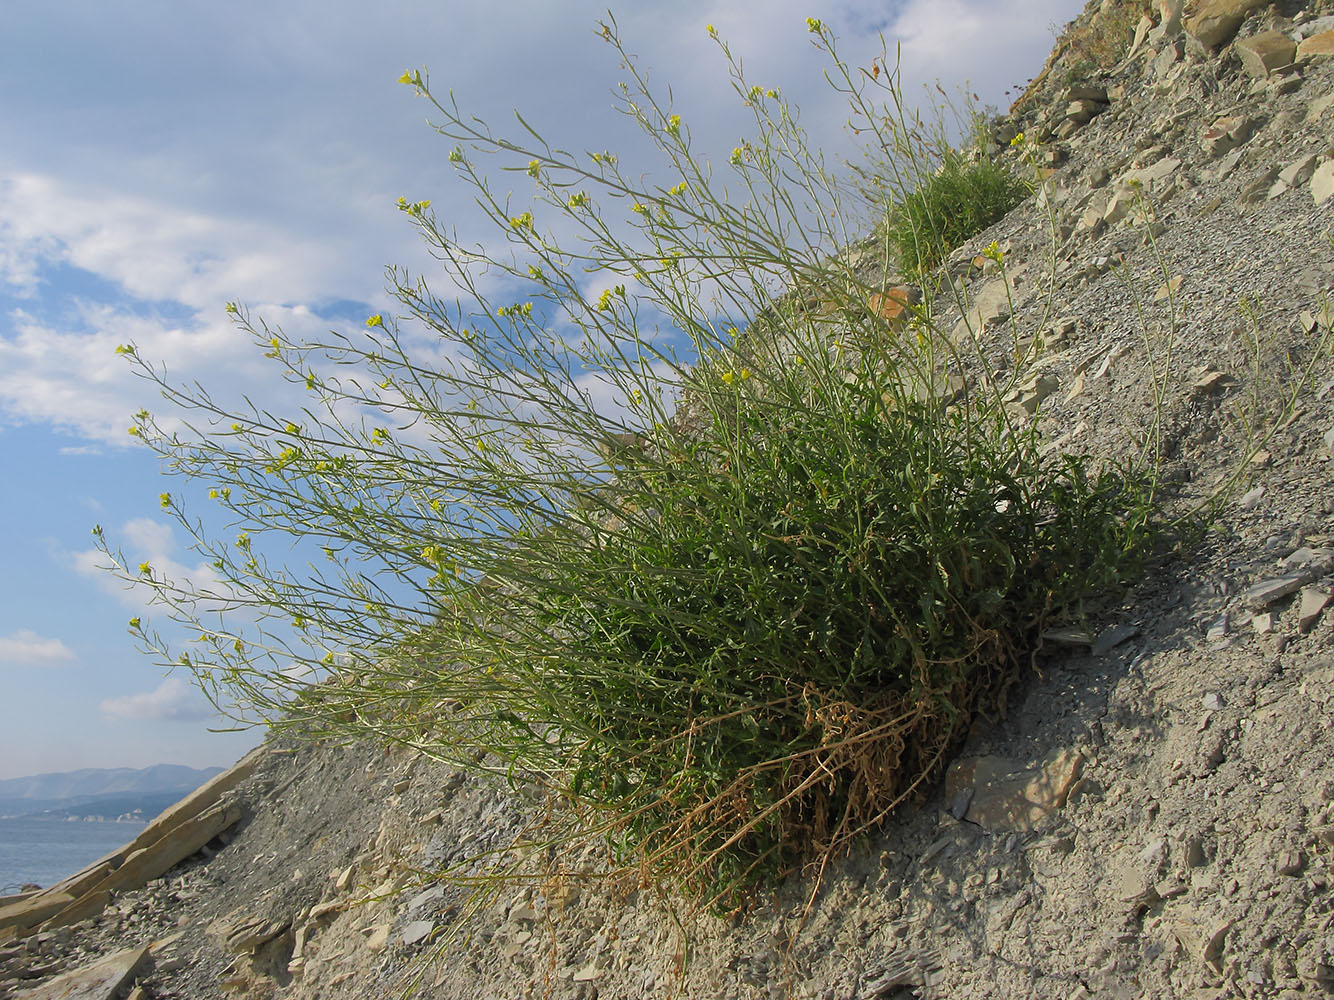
(44, 850)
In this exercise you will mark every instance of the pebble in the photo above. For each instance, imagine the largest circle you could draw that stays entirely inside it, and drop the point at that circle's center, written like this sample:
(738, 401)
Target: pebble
(418, 930)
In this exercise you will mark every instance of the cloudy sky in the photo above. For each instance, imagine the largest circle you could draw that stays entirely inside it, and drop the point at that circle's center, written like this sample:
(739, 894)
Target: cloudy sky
(161, 159)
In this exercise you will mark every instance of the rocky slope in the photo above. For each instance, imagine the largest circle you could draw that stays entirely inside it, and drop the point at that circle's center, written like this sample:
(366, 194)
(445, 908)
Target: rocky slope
(1155, 816)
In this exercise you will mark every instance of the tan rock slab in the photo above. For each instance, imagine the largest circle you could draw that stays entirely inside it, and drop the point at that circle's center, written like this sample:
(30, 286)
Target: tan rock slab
(1216, 21)
(1322, 182)
(173, 847)
(895, 305)
(150, 862)
(200, 799)
(1010, 798)
(1317, 45)
(1313, 602)
(88, 905)
(103, 980)
(32, 911)
(1268, 51)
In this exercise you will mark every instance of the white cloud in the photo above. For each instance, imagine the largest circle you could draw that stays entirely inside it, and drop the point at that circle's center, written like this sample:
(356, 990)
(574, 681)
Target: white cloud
(26, 648)
(174, 700)
(143, 539)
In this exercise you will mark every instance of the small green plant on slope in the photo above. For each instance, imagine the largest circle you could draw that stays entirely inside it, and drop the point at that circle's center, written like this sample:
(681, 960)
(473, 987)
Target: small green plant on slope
(956, 202)
(732, 609)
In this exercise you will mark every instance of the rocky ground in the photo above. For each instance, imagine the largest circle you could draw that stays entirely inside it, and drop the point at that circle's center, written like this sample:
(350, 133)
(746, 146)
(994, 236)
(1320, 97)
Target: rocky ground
(1155, 816)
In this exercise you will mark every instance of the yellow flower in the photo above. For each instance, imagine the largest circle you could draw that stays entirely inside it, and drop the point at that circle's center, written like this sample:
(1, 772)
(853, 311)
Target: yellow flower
(993, 252)
(165, 500)
(534, 168)
(813, 25)
(124, 349)
(604, 300)
(134, 622)
(373, 321)
(728, 378)
(674, 125)
(713, 32)
(293, 429)
(411, 77)
(679, 189)
(522, 221)
(641, 209)
(456, 155)
(1018, 139)
(145, 568)
(578, 200)
(213, 494)
(134, 432)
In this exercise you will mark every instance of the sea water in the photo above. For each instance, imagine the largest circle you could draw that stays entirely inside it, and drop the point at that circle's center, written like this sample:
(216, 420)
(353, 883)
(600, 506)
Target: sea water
(44, 851)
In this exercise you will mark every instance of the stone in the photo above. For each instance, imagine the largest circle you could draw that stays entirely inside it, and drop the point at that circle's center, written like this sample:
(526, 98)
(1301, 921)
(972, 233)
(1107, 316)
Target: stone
(1154, 175)
(1289, 862)
(1212, 701)
(197, 801)
(1029, 396)
(1122, 203)
(1210, 381)
(1266, 52)
(1226, 133)
(1266, 592)
(1166, 60)
(1215, 22)
(1082, 112)
(1293, 175)
(1315, 46)
(1263, 624)
(1203, 942)
(1008, 797)
(1251, 498)
(1313, 603)
(1109, 638)
(377, 937)
(104, 979)
(35, 909)
(895, 305)
(1086, 92)
(417, 931)
(248, 934)
(1322, 182)
(90, 904)
(173, 846)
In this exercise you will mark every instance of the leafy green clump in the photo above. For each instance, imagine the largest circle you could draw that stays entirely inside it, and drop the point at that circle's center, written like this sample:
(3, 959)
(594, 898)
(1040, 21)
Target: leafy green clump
(950, 207)
(727, 573)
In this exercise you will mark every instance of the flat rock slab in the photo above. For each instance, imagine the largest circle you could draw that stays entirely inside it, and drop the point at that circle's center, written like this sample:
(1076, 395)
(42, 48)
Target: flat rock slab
(1008, 797)
(103, 980)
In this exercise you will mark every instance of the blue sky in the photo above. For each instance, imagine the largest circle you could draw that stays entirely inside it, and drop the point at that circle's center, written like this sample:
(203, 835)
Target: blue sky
(162, 159)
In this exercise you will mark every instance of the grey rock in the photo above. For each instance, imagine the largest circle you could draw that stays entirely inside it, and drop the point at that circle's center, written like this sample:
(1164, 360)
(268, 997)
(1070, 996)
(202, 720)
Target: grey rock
(417, 931)
(1322, 182)
(1266, 52)
(1313, 603)
(1266, 592)
(1109, 638)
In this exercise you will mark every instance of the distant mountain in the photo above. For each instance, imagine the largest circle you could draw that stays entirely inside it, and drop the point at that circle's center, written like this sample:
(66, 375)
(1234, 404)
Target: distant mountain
(101, 791)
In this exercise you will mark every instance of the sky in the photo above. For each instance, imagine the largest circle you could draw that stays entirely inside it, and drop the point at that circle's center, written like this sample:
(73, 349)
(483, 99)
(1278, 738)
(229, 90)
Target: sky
(163, 159)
